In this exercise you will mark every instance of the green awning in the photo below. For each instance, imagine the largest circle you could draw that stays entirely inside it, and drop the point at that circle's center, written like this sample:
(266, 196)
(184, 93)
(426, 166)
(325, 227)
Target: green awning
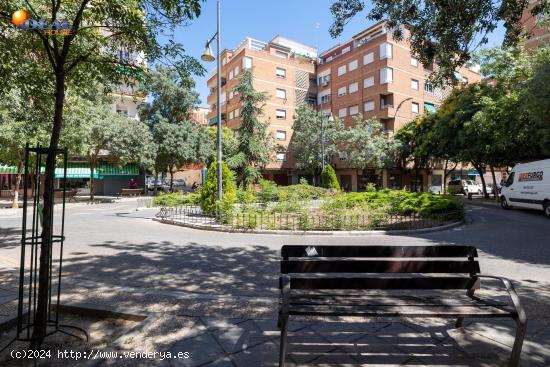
(75, 170)
(7, 170)
(106, 169)
(428, 107)
(458, 76)
(213, 121)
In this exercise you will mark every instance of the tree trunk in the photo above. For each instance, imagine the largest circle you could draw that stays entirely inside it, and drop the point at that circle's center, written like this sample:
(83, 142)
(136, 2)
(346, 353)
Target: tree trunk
(15, 203)
(480, 171)
(171, 179)
(446, 174)
(92, 167)
(155, 183)
(39, 330)
(495, 193)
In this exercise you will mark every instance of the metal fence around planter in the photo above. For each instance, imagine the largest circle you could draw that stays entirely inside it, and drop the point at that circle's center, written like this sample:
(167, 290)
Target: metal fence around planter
(193, 215)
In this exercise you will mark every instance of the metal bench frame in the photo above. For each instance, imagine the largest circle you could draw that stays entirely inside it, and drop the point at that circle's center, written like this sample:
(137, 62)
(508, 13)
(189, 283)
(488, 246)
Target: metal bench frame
(320, 268)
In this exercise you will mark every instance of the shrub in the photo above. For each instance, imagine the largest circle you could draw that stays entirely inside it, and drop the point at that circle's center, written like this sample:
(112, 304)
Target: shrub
(329, 179)
(246, 196)
(268, 192)
(303, 191)
(175, 199)
(209, 191)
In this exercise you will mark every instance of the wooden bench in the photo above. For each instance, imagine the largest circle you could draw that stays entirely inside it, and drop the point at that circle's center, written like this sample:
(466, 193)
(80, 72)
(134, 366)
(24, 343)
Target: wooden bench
(389, 281)
(130, 192)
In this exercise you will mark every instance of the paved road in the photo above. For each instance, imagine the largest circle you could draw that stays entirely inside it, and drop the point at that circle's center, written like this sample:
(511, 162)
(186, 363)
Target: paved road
(113, 252)
(115, 244)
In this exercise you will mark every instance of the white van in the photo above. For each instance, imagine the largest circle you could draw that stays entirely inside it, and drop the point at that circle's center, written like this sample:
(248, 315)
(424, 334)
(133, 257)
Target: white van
(528, 186)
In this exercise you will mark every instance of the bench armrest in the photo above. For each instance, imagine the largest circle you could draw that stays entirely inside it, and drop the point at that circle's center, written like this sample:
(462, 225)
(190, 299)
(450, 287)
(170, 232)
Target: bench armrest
(522, 317)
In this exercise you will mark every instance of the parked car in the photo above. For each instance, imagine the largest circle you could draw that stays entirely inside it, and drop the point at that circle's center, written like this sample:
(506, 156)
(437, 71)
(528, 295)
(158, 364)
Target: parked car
(463, 187)
(178, 184)
(160, 184)
(528, 186)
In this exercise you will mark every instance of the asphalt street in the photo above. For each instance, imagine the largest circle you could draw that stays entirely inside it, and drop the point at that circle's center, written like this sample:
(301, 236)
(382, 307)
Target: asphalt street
(115, 244)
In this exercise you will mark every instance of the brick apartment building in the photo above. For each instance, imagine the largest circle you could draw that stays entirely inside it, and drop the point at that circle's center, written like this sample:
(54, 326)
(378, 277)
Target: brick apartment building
(285, 70)
(535, 27)
(372, 74)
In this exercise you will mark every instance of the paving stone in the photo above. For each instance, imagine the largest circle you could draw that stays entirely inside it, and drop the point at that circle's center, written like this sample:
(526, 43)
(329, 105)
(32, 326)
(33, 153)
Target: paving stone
(263, 355)
(242, 336)
(372, 349)
(202, 349)
(306, 345)
(222, 362)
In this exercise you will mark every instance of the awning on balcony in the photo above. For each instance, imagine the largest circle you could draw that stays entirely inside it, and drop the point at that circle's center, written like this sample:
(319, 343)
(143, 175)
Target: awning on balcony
(428, 107)
(458, 76)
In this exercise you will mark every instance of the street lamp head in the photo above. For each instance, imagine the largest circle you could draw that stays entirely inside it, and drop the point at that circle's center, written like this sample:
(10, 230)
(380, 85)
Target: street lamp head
(207, 54)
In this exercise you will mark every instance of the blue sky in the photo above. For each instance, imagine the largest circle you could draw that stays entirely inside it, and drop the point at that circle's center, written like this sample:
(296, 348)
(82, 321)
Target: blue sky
(306, 21)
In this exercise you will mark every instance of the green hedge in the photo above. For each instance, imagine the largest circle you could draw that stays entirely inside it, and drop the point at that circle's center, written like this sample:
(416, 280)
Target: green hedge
(176, 199)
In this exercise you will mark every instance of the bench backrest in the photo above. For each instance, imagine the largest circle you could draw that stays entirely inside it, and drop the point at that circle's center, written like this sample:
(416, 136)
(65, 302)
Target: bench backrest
(364, 267)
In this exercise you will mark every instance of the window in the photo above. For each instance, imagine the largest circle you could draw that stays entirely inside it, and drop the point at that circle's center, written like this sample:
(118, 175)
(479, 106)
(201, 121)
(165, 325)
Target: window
(414, 84)
(281, 157)
(281, 73)
(428, 88)
(464, 80)
(386, 50)
(323, 98)
(281, 135)
(414, 61)
(281, 54)
(280, 93)
(342, 91)
(352, 65)
(231, 115)
(123, 56)
(342, 112)
(369, 82)
(237, 113)
(342, 70)
(386, 75)
(346, 50)
(415, 107)
(122, 111)
(281, 114)
(368, 58)
(369, 106)
(231, 75)
(324, 80)
(354, 110)
(354, 87)
(247, 63)
(236, 71)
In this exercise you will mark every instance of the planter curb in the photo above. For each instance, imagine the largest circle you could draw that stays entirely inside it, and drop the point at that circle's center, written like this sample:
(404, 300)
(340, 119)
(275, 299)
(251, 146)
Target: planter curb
(313, 233)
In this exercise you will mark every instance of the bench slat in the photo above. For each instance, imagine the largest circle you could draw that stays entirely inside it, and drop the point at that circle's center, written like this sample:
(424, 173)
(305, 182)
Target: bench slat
(378, 266)
(381, 283)
(378, 251)
(391, 301)
(401, 311)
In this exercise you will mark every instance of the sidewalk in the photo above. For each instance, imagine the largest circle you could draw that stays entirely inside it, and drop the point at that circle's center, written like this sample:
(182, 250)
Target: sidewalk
(220, 330)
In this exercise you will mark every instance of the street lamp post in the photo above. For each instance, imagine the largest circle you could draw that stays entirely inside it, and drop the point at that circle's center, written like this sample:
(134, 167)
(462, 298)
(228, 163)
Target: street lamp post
(323, 159)
(207, 56)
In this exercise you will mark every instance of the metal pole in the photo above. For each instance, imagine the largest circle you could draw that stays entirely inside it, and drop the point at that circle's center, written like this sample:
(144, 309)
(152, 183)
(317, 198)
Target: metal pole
(219, 111)
(322, 144)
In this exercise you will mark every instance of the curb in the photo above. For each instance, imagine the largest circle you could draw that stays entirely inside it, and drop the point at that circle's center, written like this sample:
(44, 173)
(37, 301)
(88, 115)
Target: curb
(313, 233)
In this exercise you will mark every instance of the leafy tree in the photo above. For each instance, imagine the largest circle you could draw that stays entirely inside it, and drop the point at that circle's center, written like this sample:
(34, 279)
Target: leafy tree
(209, 191)
(178, 144)
(230, 146)
(306, 139)
(446, 31)
(535, 98)
(101, 132)
(367, 145)
(172, 96)
(100, 29)
(255, 144)
(17, 128)
(329, 179)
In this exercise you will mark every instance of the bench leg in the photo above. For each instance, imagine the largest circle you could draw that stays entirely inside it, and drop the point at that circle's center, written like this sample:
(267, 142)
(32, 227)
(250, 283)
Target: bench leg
(459, 322)
(518, 343)
(283, 321)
